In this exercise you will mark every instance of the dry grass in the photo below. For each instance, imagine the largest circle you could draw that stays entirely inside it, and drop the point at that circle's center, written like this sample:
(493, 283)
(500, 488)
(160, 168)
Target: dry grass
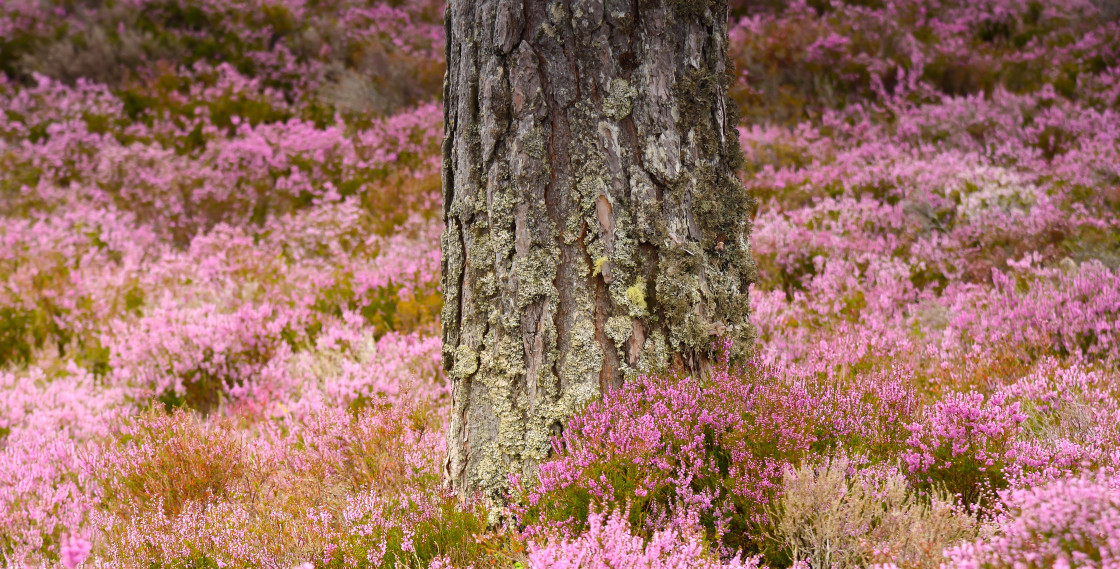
(833, 516)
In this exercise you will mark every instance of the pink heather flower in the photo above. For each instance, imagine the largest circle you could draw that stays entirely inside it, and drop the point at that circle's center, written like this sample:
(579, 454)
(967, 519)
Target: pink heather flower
(74, 552)
(609, 543)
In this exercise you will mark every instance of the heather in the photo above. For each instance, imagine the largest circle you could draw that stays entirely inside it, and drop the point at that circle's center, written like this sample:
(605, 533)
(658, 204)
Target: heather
(219, 301)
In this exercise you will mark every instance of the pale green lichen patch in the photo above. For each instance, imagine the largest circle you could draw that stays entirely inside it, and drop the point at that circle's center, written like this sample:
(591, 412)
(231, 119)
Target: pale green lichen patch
(588, 189)
(655, 357)
(581, 363)
(535, 143)
(507, 360)
(619, 101)
(678, 292)
(575, 398)
(499, 370)
(557, 13)
(452, 272)
(535, 273)
(618, 329)
(466, 362)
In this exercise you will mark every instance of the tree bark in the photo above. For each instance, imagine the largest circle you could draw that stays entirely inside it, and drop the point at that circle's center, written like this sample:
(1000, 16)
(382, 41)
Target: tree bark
(595, 221)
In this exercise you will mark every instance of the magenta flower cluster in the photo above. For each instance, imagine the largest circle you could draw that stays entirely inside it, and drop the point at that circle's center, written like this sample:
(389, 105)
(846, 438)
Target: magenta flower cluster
(1071, 522)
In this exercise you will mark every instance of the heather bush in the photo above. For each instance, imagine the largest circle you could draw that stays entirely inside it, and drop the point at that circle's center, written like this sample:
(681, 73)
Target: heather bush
(801, 58)
(1064, 311)
(75, 550)
(391, 52)
(165, 461)
(964, 443)
(1071, 422)
(412, 530)
(675, 449)
(50, 420)
(1071, 522)
(42, 494)
(609, 543)
(62, 274)
(197, 357)
(218, 155)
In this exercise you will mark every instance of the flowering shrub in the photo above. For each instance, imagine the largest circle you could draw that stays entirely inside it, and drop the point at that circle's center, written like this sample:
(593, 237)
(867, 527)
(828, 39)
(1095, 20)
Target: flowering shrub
(193, 357)
(1070, 423)
(808, 55)
(49, 420)
(965, 444)
(1067, 523)
(609, 543)
(676, 450)
(290, 45)
(166, 461)
(74, 552)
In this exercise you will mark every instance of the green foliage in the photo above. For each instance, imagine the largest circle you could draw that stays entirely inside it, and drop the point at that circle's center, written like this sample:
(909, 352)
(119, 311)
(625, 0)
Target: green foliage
(378, 306)
(454, 532)
(21, 333)
(972, 481)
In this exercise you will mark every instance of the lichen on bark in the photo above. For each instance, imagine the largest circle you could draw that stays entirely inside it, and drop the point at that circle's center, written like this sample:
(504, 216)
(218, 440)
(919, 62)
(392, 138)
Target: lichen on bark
(595, 222)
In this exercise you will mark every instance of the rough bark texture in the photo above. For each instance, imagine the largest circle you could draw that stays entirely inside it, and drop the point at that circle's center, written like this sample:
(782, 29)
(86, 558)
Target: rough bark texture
(595, 222)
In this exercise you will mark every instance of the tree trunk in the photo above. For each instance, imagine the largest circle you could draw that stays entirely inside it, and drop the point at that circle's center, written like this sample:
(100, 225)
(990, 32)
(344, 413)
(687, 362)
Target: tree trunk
(595, 222)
